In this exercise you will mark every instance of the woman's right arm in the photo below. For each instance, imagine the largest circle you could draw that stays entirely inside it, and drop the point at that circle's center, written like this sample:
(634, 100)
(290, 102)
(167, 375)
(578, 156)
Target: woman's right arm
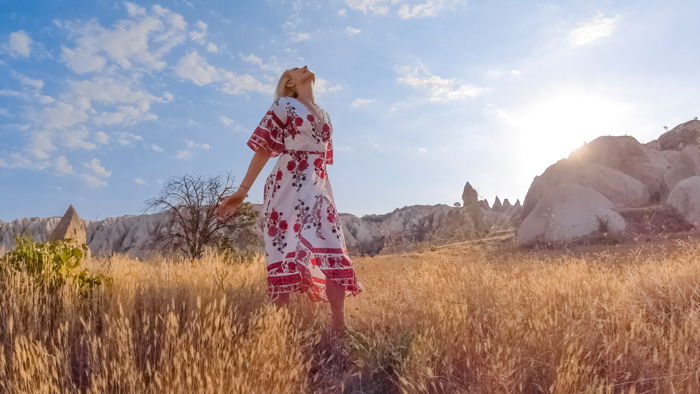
(231, 203)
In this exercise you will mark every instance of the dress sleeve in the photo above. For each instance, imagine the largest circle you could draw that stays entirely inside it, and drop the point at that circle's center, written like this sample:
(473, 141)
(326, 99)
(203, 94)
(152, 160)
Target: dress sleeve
(269, 134)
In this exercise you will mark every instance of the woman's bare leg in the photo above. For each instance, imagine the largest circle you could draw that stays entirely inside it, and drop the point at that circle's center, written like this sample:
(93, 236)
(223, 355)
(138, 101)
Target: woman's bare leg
(336, 298)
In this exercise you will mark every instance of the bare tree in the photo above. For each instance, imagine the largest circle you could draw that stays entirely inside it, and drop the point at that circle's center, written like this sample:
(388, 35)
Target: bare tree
(190, 202)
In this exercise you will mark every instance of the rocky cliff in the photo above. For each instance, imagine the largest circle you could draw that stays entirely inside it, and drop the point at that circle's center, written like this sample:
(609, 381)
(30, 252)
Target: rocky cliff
(399, 230)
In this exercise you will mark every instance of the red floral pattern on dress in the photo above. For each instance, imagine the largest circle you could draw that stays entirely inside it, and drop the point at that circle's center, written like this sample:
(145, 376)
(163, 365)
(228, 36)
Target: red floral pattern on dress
(276, 229)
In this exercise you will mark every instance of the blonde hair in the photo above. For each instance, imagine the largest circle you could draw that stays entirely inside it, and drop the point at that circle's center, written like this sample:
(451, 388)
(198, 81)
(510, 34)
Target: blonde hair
(282, 90)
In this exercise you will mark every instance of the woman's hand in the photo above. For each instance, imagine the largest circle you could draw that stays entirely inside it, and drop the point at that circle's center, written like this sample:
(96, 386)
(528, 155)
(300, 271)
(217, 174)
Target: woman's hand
(229, 205)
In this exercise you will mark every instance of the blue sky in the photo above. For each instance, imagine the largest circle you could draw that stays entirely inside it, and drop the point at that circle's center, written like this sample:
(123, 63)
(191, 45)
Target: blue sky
(101, 101)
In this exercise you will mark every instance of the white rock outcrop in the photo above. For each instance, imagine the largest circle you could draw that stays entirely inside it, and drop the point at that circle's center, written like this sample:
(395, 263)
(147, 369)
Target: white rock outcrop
(628, 174)
(685, 198)
(567, 212)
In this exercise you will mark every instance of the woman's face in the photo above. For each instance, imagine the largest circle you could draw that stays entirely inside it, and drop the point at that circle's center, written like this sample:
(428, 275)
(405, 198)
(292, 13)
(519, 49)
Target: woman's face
(301, 74)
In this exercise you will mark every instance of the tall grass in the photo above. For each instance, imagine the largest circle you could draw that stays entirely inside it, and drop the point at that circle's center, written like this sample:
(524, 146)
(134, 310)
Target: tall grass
(458, 319)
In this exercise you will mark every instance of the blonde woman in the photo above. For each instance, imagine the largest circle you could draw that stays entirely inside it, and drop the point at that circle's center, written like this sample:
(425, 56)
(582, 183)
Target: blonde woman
(305, 248)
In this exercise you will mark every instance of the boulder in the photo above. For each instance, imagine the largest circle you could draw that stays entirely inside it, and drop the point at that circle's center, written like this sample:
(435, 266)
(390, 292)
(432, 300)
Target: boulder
(679, 137)
(567, 212)
(682, 164)
(685, 198)
(621, 189)
(627, 155)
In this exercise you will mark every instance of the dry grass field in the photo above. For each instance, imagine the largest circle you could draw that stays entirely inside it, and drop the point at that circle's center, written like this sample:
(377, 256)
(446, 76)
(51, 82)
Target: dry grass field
(458, 319)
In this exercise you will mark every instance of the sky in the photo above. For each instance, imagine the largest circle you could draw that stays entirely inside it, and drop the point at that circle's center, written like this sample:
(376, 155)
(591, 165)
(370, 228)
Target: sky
(102, 101)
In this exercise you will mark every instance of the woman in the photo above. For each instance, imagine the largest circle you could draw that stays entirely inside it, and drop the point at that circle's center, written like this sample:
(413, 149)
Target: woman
(305, 248)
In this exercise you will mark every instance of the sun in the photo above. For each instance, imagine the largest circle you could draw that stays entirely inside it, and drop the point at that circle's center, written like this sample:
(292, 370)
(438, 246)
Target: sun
(551, 127)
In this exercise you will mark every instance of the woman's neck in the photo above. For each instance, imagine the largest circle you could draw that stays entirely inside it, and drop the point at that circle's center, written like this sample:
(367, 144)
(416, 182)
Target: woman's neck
(304, 93)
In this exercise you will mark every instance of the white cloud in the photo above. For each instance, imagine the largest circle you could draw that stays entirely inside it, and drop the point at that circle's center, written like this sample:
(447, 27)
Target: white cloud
(297, 36)
(41, 144)
(18, 160)
(226, 120)
(195, 68)
(76, 105)
(12, 93)
(342, 12)
(499, 72)
(20, 44)
(200, 32)
(95, 173)
(139, 181)
(127, 139)
(378, 7)
(96, 168)
(183, 154)
(351, 31)
(422, 150)
(186, 154)
(192, 144)
(140, 41)
(62, 165)
(134, 9)
(101, 138)
(436, 87)
(406, 8)
(358, 102)
(322, 86)
(591, 30)
(425, 9)
(253, 59)
(212, 48)
(77, 139)
(26, 81)
(156, 148)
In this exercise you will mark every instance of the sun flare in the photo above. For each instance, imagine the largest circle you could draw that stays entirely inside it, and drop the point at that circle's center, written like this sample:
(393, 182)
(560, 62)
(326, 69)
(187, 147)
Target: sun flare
(550, 128)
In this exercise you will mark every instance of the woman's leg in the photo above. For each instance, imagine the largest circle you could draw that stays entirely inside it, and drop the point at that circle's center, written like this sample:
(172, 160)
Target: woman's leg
(336, 298)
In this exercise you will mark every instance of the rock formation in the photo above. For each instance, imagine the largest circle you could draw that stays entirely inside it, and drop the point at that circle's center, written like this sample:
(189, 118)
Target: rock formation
(70, 227)
(473, 210)
(469, 195)
(398, 230)
(506, 205)
(685, 198)
(627, 174)
(569, 211)
(497, 206)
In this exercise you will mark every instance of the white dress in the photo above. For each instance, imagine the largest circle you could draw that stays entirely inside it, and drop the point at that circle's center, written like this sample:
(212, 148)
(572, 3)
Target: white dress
(304, 241)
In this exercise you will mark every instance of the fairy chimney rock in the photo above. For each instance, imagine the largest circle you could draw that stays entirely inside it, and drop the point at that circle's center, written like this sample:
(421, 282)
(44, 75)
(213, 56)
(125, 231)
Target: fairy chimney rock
(506, 204)
(484, 204)
(497, 205)
(517, 204)
(469, 195)
(70, 226)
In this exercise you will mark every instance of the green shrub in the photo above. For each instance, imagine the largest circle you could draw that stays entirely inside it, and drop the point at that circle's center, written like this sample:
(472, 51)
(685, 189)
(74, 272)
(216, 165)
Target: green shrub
(53, 264)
